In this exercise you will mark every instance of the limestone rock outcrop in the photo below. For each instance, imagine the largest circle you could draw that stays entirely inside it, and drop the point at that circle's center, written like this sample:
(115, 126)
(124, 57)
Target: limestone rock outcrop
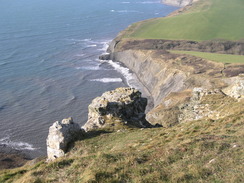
(60, 135)
(196, 104)
(124, 105)
(236, 88)
(196, 109)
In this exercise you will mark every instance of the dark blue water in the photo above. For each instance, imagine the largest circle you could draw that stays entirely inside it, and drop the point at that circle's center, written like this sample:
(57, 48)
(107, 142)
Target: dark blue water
(49, 67)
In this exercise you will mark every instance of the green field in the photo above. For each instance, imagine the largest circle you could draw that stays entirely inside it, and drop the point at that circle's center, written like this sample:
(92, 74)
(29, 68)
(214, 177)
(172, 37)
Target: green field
(206, 20)
(215, 57)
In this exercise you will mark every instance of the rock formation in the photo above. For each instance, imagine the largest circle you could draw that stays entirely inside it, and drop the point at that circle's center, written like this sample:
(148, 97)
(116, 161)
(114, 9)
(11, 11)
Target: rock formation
(124, 105)
(195, 109)
(196, 104)
(236, 88)
(170, 79)
(120, 107)
(60, 135)
(176, 103)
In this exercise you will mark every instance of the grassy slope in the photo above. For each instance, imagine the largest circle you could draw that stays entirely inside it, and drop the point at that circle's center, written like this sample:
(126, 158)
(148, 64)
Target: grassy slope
(215, 57)
(196, 151)
(212, 19)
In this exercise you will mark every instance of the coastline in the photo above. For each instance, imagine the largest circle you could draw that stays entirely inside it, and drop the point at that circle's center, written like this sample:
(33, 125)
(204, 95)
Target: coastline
(154, 88)
(160, 73)
(164, 73)
(23, 156)
(11, 158)
(194, 100)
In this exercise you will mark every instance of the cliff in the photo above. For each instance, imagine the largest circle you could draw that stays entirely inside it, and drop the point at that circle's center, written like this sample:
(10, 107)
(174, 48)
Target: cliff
(164, 73)
(197, 102)
(202, 150)
(201, 139)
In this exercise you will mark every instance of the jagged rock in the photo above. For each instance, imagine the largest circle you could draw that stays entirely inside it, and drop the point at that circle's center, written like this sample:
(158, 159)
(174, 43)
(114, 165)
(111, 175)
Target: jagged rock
(123, 104)
(60, 135)
(195, 109)
(187, 105)
(236, 89)
(104, 57)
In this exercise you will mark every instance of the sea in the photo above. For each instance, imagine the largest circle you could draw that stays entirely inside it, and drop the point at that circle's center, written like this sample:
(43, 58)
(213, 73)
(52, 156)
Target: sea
(49, 66)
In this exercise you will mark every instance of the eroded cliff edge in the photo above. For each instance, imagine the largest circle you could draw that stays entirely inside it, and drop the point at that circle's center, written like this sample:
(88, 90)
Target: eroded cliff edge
(170, 78)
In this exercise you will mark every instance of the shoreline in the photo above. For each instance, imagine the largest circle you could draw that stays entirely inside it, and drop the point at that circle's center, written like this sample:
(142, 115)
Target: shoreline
(13, 158)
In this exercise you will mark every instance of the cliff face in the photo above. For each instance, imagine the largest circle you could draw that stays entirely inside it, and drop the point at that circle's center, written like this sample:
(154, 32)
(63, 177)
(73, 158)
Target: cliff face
(159, 79)
(162, 72)
(180, 3)
(170, 79)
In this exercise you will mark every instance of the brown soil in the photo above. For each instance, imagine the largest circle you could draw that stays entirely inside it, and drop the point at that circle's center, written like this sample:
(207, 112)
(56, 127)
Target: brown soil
(215, 46)
(8, 161)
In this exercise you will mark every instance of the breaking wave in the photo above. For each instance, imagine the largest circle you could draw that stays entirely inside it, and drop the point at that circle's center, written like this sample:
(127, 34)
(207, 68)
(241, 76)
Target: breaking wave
(6, 141)
(108, 80)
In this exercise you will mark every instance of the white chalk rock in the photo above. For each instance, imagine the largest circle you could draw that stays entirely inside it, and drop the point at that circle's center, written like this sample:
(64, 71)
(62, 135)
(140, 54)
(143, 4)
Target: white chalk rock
(60, 135)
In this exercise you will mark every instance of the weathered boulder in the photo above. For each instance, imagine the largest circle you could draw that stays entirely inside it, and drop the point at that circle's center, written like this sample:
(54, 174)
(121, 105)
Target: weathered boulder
(122, 104)
(236, 88)
(60, 135)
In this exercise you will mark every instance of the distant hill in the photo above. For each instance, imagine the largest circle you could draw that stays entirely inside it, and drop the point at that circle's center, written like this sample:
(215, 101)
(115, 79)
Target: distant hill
(204, 20)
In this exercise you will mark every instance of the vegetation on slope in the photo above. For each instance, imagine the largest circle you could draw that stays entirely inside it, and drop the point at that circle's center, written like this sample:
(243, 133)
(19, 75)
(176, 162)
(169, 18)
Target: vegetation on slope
(225, 58)
(206, 20)
(197, 151)
(206, 150)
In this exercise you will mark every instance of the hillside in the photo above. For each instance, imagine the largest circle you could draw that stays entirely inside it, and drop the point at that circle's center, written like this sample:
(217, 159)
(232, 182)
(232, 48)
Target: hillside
(204, 20)
(195, 151)
(193, 130)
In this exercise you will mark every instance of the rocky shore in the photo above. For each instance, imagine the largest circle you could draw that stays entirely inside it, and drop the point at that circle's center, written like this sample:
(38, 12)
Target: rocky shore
(10, 158)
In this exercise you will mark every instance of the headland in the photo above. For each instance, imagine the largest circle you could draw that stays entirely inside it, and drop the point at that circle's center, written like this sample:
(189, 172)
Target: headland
(195, 132)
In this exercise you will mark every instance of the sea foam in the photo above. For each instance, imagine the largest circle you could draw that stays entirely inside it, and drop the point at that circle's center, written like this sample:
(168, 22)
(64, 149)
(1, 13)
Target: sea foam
(108, 80)
(6, 141)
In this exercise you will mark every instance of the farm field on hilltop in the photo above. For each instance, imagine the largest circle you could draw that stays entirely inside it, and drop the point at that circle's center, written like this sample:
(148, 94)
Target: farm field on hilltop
(205, 20)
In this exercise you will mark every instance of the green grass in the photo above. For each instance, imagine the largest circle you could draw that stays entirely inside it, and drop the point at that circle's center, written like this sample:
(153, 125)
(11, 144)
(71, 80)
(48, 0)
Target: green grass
(196, 151)
(210, 19)
(224, 58)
